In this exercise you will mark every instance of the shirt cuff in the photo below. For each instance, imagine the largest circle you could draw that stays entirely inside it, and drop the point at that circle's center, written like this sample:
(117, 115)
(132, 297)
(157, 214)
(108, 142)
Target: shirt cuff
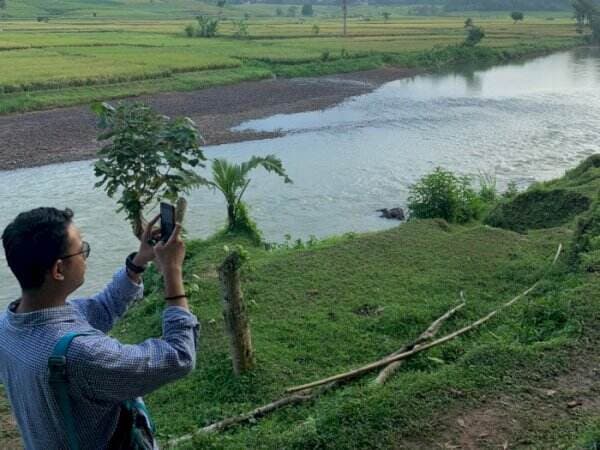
(127, 287)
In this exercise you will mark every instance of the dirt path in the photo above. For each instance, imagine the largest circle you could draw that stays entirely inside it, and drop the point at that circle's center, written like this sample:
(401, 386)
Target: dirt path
(68, 134)
(541, 412)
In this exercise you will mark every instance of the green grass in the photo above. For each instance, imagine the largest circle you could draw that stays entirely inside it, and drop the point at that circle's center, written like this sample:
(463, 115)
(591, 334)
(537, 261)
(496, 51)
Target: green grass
(305, 306)
(44, 63)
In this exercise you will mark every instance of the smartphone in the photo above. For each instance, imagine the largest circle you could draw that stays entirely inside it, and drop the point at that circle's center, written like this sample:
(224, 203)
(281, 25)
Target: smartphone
(167, 221)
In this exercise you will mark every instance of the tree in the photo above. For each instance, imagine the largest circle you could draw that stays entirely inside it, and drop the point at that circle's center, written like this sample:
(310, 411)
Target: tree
(586, 12)
(292, 10)
(221, 3)
(468, 22)
(386, 16)
(148, 157)
(307, 10)
(474, 36)
(208, 27)
(279, 12)
(2, 4)
(517, 16)
(232, 180)
(316, 29)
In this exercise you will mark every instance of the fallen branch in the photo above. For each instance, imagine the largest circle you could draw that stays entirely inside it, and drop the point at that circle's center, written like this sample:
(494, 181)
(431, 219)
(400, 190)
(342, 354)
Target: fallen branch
(426, 336)
(293, 399)
(390, 359)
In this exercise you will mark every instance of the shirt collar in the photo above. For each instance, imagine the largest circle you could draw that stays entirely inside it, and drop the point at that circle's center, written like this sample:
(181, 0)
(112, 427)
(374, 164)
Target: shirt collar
(56, 314)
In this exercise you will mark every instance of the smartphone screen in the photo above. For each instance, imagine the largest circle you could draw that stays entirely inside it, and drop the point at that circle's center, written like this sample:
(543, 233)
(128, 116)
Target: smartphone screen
(167, 221)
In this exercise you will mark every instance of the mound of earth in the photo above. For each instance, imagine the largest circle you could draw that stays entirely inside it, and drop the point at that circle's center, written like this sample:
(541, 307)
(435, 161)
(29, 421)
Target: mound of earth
(538, 208)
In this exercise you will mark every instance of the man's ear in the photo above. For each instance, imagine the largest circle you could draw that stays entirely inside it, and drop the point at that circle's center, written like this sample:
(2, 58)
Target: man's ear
(57, 270)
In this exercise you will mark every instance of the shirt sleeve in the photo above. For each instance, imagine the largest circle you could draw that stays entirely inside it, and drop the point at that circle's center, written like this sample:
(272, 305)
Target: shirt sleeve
(105, 370)
(102, 310)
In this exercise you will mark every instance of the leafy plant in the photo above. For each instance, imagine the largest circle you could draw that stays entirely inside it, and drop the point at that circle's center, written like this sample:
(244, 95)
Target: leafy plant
(488, 191)
(148, 157)
(468, 22)
(232, 180)
(517, 16)
(474, 36)
(316, 29)
(386, 16)
(442, 194)
(208, 27)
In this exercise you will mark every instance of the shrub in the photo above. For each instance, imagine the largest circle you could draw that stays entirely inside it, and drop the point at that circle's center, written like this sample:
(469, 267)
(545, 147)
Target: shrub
(516, 16)
(488, 191)
(190, 30)
(537, 209)
(241, 31)
(442, 194)
(316, 29)
(474, 36)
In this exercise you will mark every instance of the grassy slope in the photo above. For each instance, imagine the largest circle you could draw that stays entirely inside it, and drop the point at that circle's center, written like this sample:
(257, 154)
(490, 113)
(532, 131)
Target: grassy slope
(346, 301)
(70, 62)
(305, 308)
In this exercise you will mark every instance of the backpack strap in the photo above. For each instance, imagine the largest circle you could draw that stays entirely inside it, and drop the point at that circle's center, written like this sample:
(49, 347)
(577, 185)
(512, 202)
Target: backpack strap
(57, 369)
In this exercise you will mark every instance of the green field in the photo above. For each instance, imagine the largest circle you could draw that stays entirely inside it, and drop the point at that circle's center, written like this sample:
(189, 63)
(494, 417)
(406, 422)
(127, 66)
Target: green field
(71, 61)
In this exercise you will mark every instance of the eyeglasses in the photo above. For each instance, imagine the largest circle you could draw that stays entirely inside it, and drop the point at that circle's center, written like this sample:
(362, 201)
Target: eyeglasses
(85, 251)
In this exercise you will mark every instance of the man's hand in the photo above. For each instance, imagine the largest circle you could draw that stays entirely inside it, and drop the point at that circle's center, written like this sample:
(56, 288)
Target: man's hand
(169, 258)
(146, 252)
(170, 255)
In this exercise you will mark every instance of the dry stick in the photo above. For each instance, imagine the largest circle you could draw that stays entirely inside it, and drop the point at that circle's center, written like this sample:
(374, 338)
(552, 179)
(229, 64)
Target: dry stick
(427, 335)
(390, 359)
(254, 414)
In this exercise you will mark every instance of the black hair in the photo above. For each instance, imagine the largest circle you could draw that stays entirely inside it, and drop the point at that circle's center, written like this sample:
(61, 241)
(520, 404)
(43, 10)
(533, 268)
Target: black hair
(34, 241)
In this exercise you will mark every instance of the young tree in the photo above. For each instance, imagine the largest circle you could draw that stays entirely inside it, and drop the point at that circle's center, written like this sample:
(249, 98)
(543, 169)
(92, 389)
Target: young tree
(279, 12)
(517, 16)
(307, 10)
(148, 157)
(241, 31)
(232, 180)
(316, 29)
(386, 16)
(468, 22)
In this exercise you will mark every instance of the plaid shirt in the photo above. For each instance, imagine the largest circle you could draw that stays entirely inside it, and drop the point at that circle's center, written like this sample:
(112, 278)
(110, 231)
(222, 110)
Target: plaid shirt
(102, 372)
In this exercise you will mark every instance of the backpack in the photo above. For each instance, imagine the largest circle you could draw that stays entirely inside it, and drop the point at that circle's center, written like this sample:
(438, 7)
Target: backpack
(135, 429)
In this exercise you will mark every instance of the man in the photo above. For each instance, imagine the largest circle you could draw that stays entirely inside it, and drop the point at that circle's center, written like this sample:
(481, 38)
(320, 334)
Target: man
(46, 254)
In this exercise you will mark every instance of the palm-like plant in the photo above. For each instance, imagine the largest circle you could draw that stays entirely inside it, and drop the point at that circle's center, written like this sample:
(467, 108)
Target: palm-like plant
(232, 180)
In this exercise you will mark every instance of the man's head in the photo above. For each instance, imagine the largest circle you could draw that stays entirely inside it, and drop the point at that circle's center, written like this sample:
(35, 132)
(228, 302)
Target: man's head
(44, 249)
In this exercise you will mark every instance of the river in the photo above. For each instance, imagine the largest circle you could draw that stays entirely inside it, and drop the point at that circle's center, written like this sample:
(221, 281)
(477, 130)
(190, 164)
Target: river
(520, 122)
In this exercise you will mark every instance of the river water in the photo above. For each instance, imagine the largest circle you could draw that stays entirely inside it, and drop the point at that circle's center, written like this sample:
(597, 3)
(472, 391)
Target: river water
(520, 122)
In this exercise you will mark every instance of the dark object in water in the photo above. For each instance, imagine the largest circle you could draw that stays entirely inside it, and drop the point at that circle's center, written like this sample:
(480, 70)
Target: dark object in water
(394, 213)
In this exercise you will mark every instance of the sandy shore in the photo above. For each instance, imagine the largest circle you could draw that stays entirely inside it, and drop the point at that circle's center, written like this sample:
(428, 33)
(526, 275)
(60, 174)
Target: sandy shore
(69, 134)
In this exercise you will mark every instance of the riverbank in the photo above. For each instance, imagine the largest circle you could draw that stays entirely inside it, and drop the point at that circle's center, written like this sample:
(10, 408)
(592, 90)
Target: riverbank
(69, 134)
(346, 301)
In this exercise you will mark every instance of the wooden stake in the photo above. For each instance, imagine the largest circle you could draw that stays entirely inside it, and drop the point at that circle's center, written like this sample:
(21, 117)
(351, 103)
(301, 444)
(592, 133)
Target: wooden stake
(235, 315)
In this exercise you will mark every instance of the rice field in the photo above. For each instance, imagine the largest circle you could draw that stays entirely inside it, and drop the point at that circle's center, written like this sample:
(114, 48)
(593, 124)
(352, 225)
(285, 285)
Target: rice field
(63, 54)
